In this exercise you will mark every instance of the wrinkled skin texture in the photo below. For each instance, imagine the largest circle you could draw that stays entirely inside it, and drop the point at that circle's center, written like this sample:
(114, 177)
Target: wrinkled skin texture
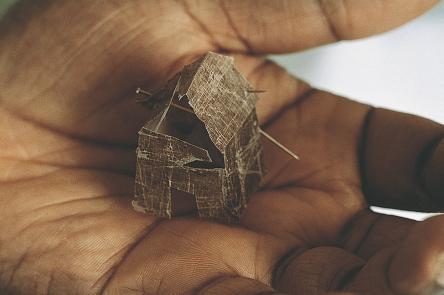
(68, 70)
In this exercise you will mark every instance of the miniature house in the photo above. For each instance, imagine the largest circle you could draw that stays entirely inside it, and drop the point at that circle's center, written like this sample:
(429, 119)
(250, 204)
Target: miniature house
(201, 144)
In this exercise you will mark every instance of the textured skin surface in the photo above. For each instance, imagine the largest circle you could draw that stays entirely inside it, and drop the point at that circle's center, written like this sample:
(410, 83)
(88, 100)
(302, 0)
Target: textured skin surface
(69, 123)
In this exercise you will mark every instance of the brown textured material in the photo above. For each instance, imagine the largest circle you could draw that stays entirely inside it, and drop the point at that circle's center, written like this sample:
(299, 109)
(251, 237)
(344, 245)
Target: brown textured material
(211, 152)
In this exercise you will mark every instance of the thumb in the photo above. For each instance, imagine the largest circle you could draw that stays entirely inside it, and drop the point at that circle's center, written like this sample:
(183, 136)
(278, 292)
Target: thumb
(418, 266)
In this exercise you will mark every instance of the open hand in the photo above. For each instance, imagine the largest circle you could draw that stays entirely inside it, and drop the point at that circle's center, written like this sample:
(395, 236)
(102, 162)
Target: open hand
(69, 122)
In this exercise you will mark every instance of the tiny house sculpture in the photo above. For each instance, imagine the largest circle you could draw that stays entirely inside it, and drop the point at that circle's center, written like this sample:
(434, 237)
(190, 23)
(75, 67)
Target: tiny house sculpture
(201, 145)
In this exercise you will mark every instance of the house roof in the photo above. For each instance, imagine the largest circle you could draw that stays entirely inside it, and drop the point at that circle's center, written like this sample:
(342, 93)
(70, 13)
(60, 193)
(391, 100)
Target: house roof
(219, 96)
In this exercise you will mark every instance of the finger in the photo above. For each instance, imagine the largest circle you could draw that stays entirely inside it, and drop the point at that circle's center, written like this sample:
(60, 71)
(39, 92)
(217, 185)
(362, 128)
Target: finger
(413, 266)
(316, 271)
(403, 161)
(286, 26)
(418, 265)
(368, 233)
(412, 269)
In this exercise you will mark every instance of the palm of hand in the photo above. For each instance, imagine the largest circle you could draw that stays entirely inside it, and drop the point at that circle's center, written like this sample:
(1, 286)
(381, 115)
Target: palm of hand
(68, 158)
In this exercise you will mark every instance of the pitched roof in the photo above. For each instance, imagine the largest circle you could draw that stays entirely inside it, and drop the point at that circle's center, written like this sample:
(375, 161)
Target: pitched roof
(219, 96)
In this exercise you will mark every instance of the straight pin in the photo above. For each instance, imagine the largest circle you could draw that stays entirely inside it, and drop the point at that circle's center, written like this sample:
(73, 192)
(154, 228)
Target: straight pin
(144, 92)
(256, 91)
(265, 134)
(141, 91)
(181, 108)
(278, 144)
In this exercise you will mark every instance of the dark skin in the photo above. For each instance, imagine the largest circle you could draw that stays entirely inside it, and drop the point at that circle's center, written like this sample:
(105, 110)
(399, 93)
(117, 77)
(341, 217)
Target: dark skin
(68, 71)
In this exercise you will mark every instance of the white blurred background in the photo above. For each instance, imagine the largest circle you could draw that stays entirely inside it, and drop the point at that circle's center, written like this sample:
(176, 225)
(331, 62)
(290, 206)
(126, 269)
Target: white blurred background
(402, 70)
